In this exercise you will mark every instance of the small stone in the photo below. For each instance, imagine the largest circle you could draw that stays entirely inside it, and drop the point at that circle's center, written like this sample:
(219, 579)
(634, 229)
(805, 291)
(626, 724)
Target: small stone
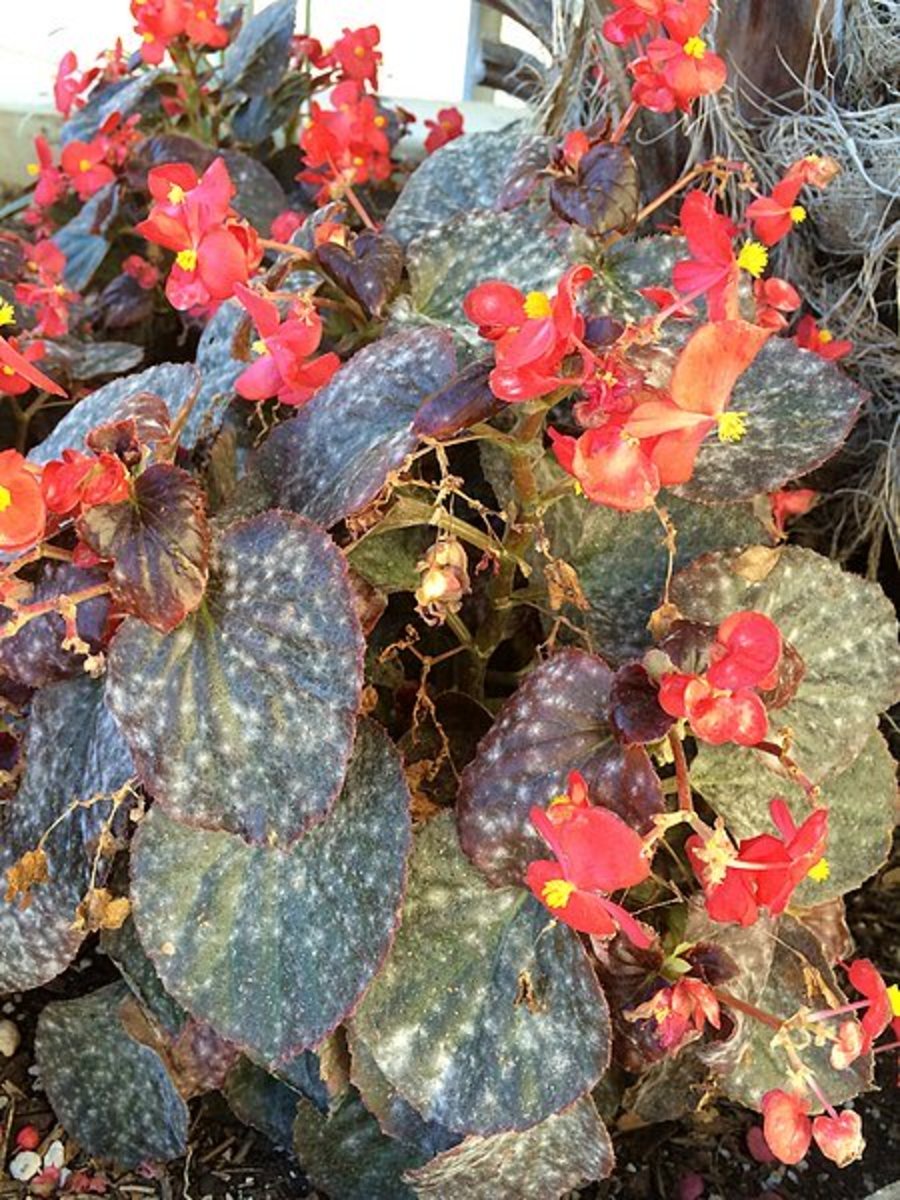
(9, 1038)
(25, 1166)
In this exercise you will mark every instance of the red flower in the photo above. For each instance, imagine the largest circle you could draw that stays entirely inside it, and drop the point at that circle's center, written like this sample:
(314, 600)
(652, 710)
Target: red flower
(809, 336)
(346, 144)
(790, 503)
(839, 1137)
(79, 481)
(746, 652)
(214, 249)
(679, 68)
(867, 980)
(67, 88)
(286, 225)
(690, 1002)
(610, 466)
(284, 368)
(160, 21)
(83, 163)
(817, 170)
(775, 216)
(631, 19)
(774, 297)
(49, 296)
(713, 269)
(12, 383)
(596, 853)
(786, 1125)
(356, 55)
(51, 183)
(146, 275)
(449, 125)
(28, 1138)
(22, 365)
(22, 512)
(533, 334)
(715, 715)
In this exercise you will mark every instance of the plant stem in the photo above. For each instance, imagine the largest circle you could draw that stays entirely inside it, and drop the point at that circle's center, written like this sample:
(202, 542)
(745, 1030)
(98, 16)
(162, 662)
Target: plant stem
(749, 1010)
(29, 612)
(685, 802)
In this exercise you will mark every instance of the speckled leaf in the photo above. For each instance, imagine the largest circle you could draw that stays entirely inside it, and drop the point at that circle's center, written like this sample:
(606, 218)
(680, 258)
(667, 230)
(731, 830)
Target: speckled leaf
(449, 260)
(111, 1092)
(843, 628)
(219, 370)
(259, 1099)
(467, 173)
(123, 96)
(799, 409)
(861, 802)
(337, 453)
(348, 1157)
(567, 1150)
(243, 717)
(74, 751)
(174, 383)
(558, 721)
(624, 269)
(218, 916)
(34, 656)
(797, 962)
(83, 240)
(487, 1016)
(91, 360)
(158, 541)
(258, 57)
(124, 947)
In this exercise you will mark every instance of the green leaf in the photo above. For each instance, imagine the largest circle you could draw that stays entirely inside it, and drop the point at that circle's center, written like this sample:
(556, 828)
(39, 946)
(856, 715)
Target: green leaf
(159, 543)
(111, 1092)
(467, 173)
(257, 59)
(557, 722)
(567, 1150)
(843, 628)
(347, 1156)
(799, 410)
(74, 751)
(273, 949)
(124, 947)
(486, 1016)
(335, 456)
(387, 559)
(861, 803)
(624, 269)
(761, 1065)
(259, 1099)
(243, 717)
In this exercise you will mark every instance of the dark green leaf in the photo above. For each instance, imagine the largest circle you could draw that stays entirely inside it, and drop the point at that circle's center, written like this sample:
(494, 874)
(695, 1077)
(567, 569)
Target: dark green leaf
(92, 360)
(604, 193)
(243, 718)
(258, 57)
(369, 269)
(124, 947)
(259, 1099)
(260, 197)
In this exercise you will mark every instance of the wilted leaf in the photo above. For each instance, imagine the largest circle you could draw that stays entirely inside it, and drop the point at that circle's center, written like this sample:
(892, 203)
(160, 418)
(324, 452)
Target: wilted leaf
(337, 453)
(558, 721)
(111, 1092)
(258, 57)
(603, 195)
(446, 1021)
(218, 916)
(369, 270)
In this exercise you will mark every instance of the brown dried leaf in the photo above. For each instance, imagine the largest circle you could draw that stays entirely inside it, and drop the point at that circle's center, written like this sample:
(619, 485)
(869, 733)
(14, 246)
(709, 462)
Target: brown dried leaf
(23, 875)
(757, 563)
(564, 586)
(101, 910)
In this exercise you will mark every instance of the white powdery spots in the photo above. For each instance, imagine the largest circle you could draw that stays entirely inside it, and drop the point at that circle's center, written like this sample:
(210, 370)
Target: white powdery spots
(242, 718)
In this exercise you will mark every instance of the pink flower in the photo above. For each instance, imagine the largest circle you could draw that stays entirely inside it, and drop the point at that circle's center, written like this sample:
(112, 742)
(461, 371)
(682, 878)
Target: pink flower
(285, 368)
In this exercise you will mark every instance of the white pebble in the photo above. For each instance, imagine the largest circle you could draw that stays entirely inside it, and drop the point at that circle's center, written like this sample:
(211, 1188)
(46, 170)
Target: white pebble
(9, 1038)
(56, 1155)
(25, 1165)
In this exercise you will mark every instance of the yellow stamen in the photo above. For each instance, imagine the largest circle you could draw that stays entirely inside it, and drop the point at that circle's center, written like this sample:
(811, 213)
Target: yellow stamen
(894, 997)
(537, 304)
(556, 892)
(5, 498)
(753, 258)
(820, 871)
(84, 164)
(259, 347)
(380, 122)
(186, 259)
(732, 426)
(7, 313)
(148, 37)
(358, 161)
(359, 51)
(797, 213)
(694, 47)
(33, 169)
(7, 370)
(176, 194)
(825, 336)
(562, 798)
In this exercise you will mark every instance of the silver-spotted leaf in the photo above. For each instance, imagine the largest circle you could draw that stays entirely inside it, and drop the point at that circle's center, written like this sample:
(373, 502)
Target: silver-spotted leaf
(799, 409)
(486, 1016)
(124, 947)
(219, 370)
(74, 751)
(557, 722)
(274, 948)
(259, 1099)
(567, 1150)
(112, 1093)
(335, 456)
(243, 717)
(843, 628)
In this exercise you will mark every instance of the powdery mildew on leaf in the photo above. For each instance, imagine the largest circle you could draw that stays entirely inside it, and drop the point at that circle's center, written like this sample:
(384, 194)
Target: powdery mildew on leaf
(556, 722)
(487, 1016)
(799, 409)
(335, 456)
(74, 750)
(242, 718)
(111, 1092)
(274, 948)
(565, 1151)
(842, 626)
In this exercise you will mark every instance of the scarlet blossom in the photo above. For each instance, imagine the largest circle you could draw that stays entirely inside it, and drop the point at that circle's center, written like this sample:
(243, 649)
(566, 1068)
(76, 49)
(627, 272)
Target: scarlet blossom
(596, 853)
(809, 336)
(28, 1138)
(146, 275)
(449, 125)
(774, 297)
(284, 368)
(677, 69)
(867, 980)
(286, 225)
(67, 87)
(12, 383)
(839, 1136)
(49, 296)
(763, 871)
(746, 652)
(610, 466)
(84, 164)
(786, 1125)
(22, 512)
(346, 144)
(21, 365)
(631, 19)
(533, 334)
(666, 298)
(51, 182)
(356, 54)
(214, 249)
(790, 502)
(78, 481)
(714, 269)
(689, 1003)
(774, 216)
(159, 22)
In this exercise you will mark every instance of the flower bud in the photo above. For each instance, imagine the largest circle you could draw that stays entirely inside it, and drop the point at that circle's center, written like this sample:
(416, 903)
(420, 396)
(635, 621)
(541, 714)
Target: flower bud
(443, 580)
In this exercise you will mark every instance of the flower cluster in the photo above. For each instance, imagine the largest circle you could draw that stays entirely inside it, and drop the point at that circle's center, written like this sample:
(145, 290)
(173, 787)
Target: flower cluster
(214, 249)
(346, 144)
(284, 368)
(78, 481)
(679, 1010)
(160, 22)
(45, 291)
(788, 1129)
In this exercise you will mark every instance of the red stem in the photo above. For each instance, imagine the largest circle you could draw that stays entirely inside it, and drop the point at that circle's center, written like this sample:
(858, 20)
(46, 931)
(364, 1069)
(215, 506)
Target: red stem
(682, 776)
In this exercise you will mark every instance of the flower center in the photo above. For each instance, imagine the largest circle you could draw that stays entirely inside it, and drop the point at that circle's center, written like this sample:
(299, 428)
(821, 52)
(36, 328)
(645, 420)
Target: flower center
(825, 336)
(7, 371)
(732, 426)
(359, 51)
(797, 213)
(380, 121)
(537, 305)
(7, 313)
(176, 194)
(819, 871)
(717, 854)
(694, 47)
(259, 347)
(894, 997)
(84, 164)
(33, 169)
(5, 498)
(186, 259)
(556, 892)
(753, 258)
